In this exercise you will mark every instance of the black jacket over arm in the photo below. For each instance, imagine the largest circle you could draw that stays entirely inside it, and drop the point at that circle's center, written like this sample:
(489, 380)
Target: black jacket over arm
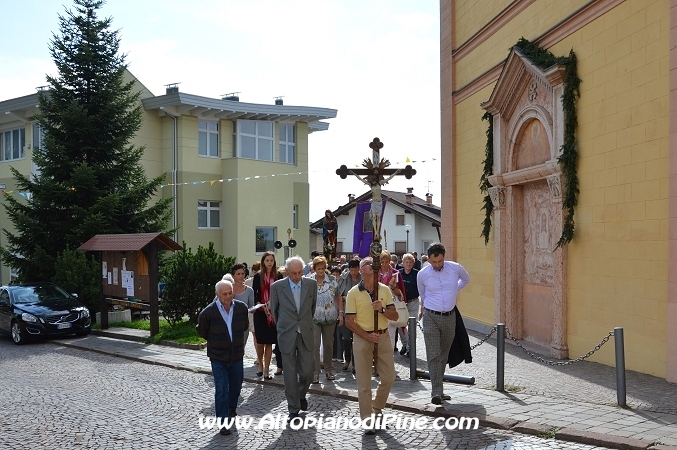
(460, 349)
(212, 327)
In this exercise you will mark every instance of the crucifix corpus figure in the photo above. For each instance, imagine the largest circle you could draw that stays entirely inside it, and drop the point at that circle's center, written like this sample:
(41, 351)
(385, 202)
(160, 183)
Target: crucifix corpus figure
(374, 175)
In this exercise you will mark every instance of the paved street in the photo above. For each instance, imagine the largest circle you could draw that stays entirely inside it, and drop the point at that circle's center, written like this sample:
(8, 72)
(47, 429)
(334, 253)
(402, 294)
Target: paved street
(59, 397)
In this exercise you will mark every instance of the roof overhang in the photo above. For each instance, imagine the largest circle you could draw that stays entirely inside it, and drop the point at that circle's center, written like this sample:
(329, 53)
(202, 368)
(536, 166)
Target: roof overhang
(206, 108)
(20, 110)
(127, 242)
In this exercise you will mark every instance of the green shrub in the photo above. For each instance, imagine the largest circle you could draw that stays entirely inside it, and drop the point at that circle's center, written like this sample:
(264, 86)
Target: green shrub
(78, 274)
(189, 281)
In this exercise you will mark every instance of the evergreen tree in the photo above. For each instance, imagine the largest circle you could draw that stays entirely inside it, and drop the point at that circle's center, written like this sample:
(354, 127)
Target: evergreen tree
(189, 279)
(89, 179)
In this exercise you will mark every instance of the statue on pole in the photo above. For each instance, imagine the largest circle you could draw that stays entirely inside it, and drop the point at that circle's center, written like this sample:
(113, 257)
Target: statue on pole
(329, 231)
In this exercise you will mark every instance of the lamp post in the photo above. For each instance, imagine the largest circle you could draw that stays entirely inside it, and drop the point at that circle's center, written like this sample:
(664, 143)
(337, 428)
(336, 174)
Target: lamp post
(408, 228)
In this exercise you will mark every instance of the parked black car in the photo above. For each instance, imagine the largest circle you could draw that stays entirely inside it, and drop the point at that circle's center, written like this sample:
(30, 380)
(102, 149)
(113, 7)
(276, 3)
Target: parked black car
(41, 309)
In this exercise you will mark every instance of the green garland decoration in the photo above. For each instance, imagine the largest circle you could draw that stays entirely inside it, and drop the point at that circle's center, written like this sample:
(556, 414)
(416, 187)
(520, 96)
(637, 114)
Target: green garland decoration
(486, 173)
(568, 159)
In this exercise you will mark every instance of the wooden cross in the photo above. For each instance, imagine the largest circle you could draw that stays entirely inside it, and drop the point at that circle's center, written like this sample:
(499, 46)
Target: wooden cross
(374, 173)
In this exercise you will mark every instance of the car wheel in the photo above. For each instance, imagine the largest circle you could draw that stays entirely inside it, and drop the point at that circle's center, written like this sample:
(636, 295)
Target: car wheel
(83, 332)
(17, 333)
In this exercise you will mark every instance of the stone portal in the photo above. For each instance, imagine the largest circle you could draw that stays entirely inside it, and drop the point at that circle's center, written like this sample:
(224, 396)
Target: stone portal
(530, 283)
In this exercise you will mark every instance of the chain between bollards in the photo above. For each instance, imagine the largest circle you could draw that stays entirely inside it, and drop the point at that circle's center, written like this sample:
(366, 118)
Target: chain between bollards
(619, 352)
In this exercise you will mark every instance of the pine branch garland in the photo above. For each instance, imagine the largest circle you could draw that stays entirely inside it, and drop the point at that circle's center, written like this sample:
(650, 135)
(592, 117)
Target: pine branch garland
(486, 173)
(568, 158)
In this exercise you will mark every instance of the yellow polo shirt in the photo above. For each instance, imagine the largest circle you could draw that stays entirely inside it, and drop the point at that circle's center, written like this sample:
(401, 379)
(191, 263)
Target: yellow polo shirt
(359, 303)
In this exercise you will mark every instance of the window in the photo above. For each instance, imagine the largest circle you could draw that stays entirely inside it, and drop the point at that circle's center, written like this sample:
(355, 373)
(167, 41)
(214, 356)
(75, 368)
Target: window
(399, 219)
(208, 214)
(400, 247)
(38, 136)
(287, 144)
(255, 140)
(13, 144)
(208, 138)
(265, 238)
(295, 217)
(426, 244)
(13, 275)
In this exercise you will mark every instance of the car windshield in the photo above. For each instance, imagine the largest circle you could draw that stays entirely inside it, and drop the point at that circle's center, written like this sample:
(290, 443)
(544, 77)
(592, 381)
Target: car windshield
(34, 294)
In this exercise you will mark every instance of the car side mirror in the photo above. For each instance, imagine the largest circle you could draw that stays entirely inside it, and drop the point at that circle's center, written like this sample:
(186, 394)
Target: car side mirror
(74, 294)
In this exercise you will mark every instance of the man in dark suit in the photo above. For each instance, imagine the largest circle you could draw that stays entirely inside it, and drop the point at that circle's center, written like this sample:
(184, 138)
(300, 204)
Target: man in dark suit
(223, 323)
(292, 302)
(417, 264)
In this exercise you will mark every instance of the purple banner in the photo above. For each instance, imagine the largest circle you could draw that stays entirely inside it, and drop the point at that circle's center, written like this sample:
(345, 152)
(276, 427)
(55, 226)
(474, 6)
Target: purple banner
(363, 230)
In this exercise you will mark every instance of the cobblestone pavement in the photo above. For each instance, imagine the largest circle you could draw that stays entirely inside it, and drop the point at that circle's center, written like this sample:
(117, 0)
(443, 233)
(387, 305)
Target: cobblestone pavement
(61, 397)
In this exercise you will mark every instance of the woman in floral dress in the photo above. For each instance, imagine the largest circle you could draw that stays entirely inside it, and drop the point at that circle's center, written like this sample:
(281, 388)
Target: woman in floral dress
(326, 315)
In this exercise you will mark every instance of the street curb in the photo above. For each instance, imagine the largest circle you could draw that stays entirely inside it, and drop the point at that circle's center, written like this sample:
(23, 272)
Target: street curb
(500, 423)
(125, 337)
(599, 439)
(535, 429)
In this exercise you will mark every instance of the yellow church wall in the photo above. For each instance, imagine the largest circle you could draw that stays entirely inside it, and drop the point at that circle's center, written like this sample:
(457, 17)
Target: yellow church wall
(530, 23)
(476, 301)
(467, 15)
(617, 262)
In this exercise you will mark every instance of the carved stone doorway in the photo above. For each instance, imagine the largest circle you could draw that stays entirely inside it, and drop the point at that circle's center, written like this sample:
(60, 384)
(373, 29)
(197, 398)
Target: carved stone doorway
(530, 283)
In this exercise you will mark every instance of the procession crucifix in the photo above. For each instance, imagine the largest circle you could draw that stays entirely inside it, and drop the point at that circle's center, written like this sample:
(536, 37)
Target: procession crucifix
(373, 175)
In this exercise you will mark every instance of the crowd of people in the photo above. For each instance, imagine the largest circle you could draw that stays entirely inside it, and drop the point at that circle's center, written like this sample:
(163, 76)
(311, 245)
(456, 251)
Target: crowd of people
(297, 308)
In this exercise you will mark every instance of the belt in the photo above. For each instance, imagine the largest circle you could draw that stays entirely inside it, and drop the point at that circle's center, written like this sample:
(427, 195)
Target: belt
(439, 313)
(385, 330)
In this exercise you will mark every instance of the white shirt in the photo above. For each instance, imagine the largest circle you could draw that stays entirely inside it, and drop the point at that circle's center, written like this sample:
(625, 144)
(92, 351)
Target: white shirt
(439, 289)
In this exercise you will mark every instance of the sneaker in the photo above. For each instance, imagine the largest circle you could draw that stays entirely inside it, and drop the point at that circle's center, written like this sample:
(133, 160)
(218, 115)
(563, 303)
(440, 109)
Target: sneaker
(436, 400)
(224, 431)
(369, 431)
(403, 351)
(445, 397)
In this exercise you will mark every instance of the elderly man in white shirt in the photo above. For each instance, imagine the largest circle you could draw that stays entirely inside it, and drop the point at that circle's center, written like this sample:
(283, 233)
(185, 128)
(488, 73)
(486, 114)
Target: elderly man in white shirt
(438, 285)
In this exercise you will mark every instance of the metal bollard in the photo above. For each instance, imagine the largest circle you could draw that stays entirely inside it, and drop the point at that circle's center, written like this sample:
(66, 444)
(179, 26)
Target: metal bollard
(412, 348)
(620, 366)
(338, 342)
(500, 356)
(460, 379)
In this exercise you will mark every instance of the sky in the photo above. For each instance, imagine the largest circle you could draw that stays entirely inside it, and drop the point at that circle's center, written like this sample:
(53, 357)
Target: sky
(375, 61)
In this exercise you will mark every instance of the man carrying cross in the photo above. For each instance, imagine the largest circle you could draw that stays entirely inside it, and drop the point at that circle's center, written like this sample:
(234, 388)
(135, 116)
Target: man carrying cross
(360, 309)
(370, 296)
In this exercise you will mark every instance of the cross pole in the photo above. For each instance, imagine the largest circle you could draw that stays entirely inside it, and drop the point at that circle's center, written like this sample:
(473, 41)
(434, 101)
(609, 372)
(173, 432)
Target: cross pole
(373, 175)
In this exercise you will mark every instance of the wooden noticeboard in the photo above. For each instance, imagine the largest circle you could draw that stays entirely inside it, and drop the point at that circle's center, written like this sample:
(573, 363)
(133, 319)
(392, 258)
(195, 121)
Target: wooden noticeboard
(129, 270)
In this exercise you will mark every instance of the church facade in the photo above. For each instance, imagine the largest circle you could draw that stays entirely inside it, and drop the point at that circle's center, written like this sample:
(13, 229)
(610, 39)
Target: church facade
(620, 268)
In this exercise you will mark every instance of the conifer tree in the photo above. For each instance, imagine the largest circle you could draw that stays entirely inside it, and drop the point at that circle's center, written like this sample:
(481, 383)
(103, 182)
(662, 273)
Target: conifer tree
(89, 178)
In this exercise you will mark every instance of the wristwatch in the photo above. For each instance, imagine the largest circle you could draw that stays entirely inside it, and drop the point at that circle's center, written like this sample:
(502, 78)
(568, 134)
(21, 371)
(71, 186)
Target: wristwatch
(383, 310)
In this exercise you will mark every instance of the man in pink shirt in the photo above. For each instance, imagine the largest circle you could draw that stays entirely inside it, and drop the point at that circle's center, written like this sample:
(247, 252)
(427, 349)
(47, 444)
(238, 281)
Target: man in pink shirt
(438, 285)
